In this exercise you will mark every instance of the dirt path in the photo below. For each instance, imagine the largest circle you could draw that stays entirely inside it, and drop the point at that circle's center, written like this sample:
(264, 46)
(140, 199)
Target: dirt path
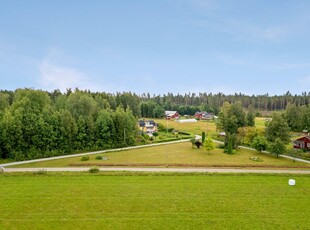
(181, 170)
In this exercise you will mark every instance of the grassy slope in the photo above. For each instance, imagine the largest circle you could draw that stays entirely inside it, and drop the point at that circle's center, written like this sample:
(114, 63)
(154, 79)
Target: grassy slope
(181, 153)
(129, 201)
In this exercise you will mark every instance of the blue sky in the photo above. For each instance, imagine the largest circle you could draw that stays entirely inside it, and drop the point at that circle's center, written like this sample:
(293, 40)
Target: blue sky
(178, 46)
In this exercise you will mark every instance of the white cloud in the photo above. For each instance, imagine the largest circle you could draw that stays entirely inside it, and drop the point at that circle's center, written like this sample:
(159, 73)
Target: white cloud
(57, 77)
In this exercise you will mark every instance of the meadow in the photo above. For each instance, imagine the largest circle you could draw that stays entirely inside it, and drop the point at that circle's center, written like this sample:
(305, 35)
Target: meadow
(180, 154)
(192, 128)
(153, 201)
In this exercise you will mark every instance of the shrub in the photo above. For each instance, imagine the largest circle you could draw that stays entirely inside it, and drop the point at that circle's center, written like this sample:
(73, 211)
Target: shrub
(98, 157)
(85, 158)
(170, 130)
(93, 170)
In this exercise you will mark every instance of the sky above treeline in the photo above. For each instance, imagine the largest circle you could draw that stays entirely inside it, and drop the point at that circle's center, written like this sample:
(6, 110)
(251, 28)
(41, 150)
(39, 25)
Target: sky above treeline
(179, 46)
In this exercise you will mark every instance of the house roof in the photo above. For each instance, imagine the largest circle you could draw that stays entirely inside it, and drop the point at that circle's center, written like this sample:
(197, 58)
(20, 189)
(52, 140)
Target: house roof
(306, 138)
(142, 123)
(167, 113)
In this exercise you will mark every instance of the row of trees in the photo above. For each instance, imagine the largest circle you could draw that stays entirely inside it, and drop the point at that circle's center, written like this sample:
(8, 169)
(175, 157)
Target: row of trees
(35, 124)
(297, 117)
(146, 105)
(213, 102)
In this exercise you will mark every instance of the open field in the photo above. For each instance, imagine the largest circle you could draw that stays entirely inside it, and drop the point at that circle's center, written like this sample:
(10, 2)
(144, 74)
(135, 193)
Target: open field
(181, 153)
(192, 128)
(260, 121)
(152, 201)
(201, 126)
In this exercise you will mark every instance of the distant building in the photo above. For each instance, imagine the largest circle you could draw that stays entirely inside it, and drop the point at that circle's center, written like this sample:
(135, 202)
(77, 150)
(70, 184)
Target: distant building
(204, 115)
(148, 126)
(302, 143)
(171, 114)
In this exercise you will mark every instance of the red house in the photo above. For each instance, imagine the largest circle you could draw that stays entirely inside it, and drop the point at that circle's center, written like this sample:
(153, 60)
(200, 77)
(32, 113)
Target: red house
(172, 114)
(302, 143)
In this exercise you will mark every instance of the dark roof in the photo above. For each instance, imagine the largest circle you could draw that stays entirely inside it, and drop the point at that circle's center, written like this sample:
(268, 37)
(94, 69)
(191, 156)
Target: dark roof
(142, 122)
(303, 138)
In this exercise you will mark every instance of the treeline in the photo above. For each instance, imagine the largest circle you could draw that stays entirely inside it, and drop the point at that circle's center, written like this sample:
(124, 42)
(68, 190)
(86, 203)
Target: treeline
(190, 102)
(35, 124)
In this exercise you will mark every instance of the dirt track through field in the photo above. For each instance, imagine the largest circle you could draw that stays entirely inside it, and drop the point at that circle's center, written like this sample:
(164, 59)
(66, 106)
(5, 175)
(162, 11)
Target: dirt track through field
(180, 170)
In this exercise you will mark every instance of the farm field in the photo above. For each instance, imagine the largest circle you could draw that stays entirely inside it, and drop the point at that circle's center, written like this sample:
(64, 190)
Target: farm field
(201, 126)
(180, 154)
(192, 128)
(153, 201)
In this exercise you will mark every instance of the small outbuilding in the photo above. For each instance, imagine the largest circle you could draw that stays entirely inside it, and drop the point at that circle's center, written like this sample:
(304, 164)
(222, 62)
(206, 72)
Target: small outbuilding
(302, 143)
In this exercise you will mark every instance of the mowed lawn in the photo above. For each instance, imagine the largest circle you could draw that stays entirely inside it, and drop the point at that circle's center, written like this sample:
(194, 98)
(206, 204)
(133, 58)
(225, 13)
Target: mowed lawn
(172, 154)
(151, 201)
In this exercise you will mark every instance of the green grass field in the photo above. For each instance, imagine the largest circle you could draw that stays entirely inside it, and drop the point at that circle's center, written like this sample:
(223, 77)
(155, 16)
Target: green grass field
(181, 153)
(260, 121)
(153, 201)
(201, 126)
(192, 128)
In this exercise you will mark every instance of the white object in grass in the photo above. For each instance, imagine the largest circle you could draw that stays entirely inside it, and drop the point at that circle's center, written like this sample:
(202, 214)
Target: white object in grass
(291, 182)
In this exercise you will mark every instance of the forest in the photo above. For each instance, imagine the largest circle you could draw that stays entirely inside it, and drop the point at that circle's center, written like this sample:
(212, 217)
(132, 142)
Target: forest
(36, 123)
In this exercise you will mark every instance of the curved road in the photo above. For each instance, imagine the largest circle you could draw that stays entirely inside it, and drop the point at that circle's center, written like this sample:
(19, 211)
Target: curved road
(189, 170)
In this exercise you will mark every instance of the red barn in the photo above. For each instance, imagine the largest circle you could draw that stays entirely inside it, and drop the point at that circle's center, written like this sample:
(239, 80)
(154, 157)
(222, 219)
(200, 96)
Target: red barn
(302, 143)
(172, 114)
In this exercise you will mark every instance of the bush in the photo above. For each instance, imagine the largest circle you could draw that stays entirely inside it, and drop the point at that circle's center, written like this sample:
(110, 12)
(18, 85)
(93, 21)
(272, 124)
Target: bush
(85, 158)
(98, 157)
(93, 170)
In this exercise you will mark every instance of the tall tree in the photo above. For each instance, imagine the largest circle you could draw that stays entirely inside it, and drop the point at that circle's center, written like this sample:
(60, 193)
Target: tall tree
(277, 128)
(277, 147)
(250, 116)
(231, 117)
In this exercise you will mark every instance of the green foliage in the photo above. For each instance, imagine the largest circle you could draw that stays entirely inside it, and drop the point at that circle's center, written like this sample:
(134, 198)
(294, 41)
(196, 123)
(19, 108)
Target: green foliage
(85, 158)
(209, 144)
(229, 148)
(94, 170)
(277, 147)
(98, 157)
(158, 111)
(260, 143)
(250, 116)
(203, 137)
(231, 117)
(277, 128)
(247, 134)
